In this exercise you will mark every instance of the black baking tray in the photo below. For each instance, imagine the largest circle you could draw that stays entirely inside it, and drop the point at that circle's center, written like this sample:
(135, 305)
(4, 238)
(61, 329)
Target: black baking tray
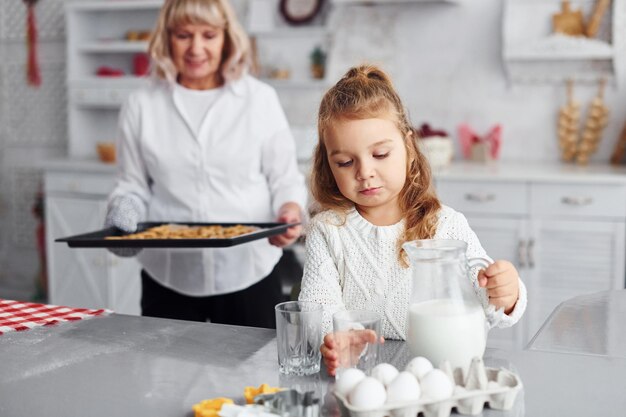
(97, 239)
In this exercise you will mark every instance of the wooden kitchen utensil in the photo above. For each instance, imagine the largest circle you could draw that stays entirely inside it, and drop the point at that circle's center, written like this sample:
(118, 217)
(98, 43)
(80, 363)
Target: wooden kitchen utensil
(568, 22)
(569, 118)
(620, 148)
(596, 18)
(597, 119)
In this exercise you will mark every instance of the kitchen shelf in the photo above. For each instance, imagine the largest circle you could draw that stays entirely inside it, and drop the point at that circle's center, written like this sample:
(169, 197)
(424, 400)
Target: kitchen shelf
(97, 97)
(106, 83)
(97, 105)
(281, 46)
(532, 53)
(97, 30)
(550, 51)
(113, 47)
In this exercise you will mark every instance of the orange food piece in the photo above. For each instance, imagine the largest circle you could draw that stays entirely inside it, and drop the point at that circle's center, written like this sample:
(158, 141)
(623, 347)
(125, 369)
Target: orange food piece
(250, 392)
(210, 408)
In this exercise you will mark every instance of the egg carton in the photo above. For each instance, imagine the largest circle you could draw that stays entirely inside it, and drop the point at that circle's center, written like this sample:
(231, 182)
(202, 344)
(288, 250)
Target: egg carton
(497, 387)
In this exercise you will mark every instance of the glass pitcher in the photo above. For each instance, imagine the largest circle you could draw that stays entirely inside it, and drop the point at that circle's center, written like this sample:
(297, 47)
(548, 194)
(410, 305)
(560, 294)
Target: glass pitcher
(446, 320)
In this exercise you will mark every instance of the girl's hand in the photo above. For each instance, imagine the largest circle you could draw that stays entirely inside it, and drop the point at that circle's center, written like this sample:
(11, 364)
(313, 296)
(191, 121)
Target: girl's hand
(288, 213)
(343, 349)
(502, 283)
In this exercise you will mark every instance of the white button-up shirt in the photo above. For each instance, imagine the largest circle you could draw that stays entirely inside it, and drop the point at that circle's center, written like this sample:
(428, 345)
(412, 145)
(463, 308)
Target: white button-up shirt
(240, 167)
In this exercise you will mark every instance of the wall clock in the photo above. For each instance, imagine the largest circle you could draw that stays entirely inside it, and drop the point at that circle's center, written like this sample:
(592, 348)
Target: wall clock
(300, 11)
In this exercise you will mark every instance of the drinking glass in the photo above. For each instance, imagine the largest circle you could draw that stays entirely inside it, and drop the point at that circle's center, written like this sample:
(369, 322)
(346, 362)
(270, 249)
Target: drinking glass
(298, 337)
(357, 335)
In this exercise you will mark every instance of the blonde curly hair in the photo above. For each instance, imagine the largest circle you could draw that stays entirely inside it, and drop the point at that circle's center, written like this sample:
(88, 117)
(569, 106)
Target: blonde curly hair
(366, 92)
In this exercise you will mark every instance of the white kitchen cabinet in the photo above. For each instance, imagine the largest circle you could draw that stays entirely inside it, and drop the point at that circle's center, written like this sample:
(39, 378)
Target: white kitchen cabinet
(579, 232)
(97, 37)
(497, 212)
(505, 238)
(90, 278)
(564, 230)
(573, 258)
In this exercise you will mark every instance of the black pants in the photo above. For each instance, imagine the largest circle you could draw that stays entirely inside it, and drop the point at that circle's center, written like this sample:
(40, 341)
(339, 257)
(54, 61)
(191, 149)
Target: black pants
(253, 306)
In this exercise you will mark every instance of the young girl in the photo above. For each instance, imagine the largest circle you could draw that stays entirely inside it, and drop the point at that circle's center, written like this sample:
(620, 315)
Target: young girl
(374, 189)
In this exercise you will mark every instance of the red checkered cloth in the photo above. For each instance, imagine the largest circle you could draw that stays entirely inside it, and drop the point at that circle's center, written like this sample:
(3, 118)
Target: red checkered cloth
(20, 315)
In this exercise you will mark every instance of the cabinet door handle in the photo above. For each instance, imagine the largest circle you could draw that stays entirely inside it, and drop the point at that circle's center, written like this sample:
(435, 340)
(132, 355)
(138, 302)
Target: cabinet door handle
(529, 252)
(521, 253)
(577, 201)
(480, 198)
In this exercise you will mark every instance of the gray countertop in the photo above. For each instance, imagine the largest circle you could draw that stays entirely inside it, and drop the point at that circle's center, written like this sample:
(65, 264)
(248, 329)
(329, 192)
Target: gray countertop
(546, 172)
(138, 366)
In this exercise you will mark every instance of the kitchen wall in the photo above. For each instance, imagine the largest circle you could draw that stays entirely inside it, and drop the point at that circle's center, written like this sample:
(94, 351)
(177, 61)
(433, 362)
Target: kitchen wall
(32, 128)
(445, 60)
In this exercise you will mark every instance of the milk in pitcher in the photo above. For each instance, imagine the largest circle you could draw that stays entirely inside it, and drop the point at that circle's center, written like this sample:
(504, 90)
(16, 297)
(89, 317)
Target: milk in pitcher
(446, 329)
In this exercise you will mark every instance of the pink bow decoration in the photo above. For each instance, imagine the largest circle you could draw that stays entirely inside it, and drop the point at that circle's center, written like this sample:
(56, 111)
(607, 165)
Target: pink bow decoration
(468, 137)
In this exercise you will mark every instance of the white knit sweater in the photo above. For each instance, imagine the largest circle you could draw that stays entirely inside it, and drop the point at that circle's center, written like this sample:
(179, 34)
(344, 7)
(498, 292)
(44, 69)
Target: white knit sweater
(354, 265)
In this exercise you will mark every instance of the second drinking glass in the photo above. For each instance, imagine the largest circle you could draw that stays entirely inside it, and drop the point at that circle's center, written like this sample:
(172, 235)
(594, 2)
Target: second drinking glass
(357, 334)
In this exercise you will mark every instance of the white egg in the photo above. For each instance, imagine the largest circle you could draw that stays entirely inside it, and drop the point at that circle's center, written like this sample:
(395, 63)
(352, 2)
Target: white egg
(419, 366)
(385, 373)
(436, 385)
(368, 394)
(347, 380)
(403, 388)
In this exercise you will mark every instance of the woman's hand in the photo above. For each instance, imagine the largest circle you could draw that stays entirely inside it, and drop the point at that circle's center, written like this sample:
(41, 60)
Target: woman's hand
(345, 348)
(288, 213)
(502, 283)
(124, 212)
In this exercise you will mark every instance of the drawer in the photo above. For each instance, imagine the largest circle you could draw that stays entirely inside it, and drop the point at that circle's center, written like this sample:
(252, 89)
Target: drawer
(593, 200)
(484, 197)
(78, 183)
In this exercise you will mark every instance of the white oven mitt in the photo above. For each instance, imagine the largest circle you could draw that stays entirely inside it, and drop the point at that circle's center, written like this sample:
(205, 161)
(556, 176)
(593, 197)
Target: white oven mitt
(125, 212)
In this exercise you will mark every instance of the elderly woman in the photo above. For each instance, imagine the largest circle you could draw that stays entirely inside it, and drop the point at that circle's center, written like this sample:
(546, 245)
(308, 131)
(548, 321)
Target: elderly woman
(207, 143)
